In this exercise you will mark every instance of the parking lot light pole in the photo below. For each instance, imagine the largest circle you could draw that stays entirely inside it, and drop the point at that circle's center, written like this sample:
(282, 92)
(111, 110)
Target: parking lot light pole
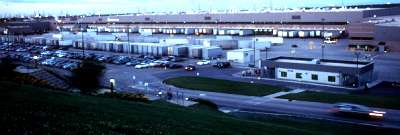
(357, 57)
(112, 85)
(357, 53)
(127, 34)
(134, 80)
(254, 51)
(8, 38)
(83, 42)
(36, 58)
(323, 50)
(323, 27)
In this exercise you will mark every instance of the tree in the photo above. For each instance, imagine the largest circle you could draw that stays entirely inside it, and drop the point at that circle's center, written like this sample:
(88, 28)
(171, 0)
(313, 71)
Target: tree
(87, 76)
(7, 68)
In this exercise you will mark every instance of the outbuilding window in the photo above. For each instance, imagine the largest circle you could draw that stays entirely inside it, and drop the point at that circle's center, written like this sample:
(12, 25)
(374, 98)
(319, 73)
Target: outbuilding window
(331, 78)
(207, 18)
(283, 74)
(314, 77)
(298, 75)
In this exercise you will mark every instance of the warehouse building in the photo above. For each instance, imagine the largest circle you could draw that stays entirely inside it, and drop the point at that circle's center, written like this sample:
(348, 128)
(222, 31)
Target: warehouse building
(243, 56)
(29, 27)
(376, 34)
(330, 72)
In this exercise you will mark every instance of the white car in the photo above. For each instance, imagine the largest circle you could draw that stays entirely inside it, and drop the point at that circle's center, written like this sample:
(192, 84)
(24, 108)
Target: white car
(46, 53)
(142, 65)
(204, 62)
(330, 41)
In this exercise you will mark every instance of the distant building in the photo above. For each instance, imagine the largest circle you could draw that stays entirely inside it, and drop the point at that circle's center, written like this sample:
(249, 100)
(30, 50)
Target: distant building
(330, 72)
(376, 34)
(25, 28)
(244, 56)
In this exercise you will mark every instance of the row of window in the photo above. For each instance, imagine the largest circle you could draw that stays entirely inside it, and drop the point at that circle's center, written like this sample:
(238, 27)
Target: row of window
(313, 76)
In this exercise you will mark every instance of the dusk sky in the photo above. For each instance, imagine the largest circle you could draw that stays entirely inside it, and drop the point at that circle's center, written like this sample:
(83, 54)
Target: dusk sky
(61, 7)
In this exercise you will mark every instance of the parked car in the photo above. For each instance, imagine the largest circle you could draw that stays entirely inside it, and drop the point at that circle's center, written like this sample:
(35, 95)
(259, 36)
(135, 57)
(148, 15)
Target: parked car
(190, 68)
(354, 110)
(330, 41)
(21, 50)
(103, 58)
(176, 59)
(142, 65)
(46, 53)
(203, 62)
(174, 66)
(154, 64)
(396, 84)
(132, 63)
(222, 65)
(121, 60)
(49, 62)
(71, 66)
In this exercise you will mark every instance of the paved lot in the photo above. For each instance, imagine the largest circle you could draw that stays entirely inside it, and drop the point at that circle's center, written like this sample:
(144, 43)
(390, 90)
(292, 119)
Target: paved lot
(387, 65)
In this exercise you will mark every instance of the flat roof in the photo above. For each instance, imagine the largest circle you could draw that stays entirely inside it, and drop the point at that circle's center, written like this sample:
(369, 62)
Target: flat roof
(393, 20)
(241, 50)
(327, 63)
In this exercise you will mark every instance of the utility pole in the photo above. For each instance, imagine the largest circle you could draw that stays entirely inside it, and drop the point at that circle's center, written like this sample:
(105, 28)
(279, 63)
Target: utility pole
(357, 53)
(323, 27)
(83, 42)
(129, 44)
(254, 45)
(254, 51)
(322, 35)
(323, 50)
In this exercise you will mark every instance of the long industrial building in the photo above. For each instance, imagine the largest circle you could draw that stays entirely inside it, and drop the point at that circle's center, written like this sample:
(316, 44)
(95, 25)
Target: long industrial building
(304, 23)
(363, 25)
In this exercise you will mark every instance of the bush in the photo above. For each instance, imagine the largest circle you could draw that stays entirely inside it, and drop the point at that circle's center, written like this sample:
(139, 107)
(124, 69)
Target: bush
(7, 68)
(87, 76)
(207, 103)
(128, 96)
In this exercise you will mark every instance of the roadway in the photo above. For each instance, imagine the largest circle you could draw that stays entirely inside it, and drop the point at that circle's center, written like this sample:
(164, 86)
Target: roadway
(304, 109)
(312, 110)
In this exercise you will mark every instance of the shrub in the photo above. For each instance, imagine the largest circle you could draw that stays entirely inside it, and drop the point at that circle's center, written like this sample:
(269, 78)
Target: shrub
(87, 76)
(137, 97)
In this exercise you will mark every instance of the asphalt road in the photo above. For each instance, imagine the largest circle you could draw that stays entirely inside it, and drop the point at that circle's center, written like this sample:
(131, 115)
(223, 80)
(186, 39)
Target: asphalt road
(303, 109)
(387, 67)
(312, 110)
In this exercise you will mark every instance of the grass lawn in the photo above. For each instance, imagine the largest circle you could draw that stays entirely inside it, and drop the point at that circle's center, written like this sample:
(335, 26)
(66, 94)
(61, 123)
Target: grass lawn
(31, 110)
(223, 86)
(392, 102)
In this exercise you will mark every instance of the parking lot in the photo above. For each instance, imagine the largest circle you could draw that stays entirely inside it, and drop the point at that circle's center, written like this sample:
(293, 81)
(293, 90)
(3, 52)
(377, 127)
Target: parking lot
(130, 69)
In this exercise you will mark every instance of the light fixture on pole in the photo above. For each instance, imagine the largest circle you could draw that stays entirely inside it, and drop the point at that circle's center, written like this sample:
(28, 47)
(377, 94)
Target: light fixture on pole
(323, 51)
(112, 85)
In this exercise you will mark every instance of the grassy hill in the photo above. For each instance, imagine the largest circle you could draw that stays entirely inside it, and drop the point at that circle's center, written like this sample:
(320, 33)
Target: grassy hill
(31, 110)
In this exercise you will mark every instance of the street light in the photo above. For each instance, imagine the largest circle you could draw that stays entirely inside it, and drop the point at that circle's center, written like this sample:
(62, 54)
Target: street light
(112, 85)
(134, 80)
(323, 27)
(323, 50)
(357, 53)
(36, 58)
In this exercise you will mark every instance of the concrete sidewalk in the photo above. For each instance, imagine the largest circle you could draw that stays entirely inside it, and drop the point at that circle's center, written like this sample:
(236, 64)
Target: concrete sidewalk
(260, 100)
